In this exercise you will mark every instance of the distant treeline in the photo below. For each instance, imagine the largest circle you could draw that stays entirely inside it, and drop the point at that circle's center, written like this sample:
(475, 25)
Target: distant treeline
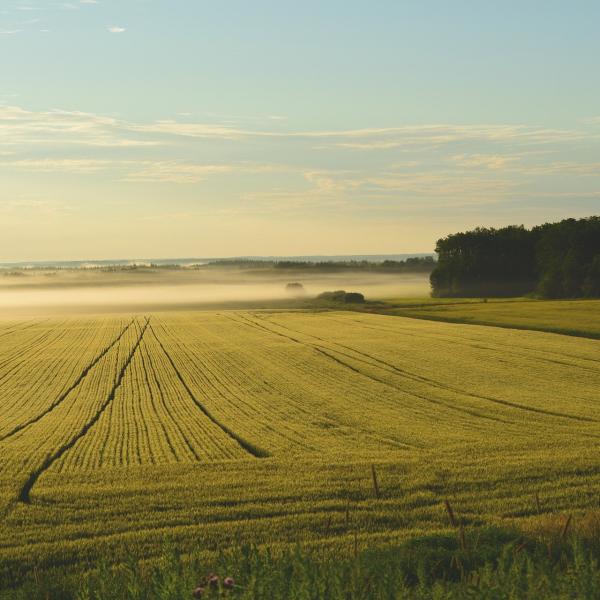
(418, 264)
(19, 271)
(554, 260)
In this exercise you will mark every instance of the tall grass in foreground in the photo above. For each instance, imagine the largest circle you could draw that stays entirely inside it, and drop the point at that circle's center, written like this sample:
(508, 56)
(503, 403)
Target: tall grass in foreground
(481, 563)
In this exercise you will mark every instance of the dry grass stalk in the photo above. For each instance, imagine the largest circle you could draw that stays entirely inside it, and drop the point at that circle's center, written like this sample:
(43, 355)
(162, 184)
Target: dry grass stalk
(462, 539)
(375, 482)
(450, 512)
(565, 530)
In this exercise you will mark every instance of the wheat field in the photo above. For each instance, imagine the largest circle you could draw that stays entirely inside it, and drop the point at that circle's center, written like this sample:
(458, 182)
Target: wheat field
(333, 429)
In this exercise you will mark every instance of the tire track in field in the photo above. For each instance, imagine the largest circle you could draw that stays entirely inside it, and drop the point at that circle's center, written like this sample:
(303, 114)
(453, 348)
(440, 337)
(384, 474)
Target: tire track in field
(72, 387)
(27, 357)
(182, 411)
(478, 344)
(53, 370)
(25, 491)
(433, 383)
(245, 445)
(308, 414)
(150, 367)
(439, 385)
(225, 379)
(322, 352)
(225, 388)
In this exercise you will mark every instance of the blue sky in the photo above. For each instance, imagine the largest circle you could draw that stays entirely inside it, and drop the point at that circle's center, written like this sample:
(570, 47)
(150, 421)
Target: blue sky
(180, 128)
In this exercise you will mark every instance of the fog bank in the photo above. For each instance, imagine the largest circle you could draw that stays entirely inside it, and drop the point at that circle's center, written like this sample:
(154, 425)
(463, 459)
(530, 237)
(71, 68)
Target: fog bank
(76, 291)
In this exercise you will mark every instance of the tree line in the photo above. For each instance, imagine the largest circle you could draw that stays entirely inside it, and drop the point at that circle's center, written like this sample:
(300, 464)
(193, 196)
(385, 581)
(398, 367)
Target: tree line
(416, 264)
(554, 260)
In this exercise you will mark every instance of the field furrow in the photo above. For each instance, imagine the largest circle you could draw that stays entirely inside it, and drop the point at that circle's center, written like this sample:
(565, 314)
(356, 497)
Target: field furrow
(46, 373)
(326, 346)
(65, 393)
(491, 368)
(336, 397)
(154, 419)
(25, 490)
(26, 452)
(119, 431)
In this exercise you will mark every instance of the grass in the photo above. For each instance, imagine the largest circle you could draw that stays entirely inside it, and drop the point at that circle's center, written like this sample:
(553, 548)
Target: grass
(486, 562)
(341, 433)
(568, 317)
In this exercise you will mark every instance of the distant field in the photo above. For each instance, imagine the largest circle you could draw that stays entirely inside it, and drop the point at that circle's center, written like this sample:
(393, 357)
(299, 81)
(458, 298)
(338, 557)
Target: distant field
(572, 317)
(214, 428)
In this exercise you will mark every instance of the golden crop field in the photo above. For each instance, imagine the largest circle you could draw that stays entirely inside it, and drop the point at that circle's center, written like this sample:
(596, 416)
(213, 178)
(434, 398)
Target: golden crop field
(570, 317)
(214, 428)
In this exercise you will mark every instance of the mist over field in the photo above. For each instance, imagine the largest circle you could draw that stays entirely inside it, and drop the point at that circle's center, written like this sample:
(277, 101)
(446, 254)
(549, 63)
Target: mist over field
(38, 292)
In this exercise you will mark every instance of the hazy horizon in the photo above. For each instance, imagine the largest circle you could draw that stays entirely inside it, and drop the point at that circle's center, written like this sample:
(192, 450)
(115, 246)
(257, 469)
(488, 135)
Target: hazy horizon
(181, 260)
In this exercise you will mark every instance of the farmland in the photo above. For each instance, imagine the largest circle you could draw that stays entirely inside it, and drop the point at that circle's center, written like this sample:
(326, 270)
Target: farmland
(568, 317)
(219, 427)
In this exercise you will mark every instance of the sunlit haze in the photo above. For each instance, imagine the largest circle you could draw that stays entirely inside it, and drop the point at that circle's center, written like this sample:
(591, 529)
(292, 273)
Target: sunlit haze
(147, 128)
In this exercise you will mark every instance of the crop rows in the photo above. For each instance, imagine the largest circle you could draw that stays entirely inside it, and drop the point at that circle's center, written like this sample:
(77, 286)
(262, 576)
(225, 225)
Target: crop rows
(282, 397)
(153, 420)
(54, 424)
(508, 374)
(263, 427)
(221, 387)
(45, 365)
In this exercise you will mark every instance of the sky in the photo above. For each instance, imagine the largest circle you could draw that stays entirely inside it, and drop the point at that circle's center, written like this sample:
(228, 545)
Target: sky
(172, 128)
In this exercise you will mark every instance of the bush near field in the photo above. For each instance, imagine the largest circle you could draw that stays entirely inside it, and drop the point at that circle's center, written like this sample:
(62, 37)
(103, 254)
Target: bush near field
(343, 297)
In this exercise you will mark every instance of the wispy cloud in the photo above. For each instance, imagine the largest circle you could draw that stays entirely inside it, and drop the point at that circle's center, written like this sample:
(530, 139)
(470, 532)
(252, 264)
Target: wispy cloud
(48, 165)
(139, 171)
(191, 130)
(108, 130)
(173, 172)
(187, 172)
(58, 127)
(459, 165)
(117, 29)
(579, 168)
(487, 161)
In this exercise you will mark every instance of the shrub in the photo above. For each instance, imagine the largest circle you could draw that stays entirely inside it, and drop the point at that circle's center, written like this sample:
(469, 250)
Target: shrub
(342, 296)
